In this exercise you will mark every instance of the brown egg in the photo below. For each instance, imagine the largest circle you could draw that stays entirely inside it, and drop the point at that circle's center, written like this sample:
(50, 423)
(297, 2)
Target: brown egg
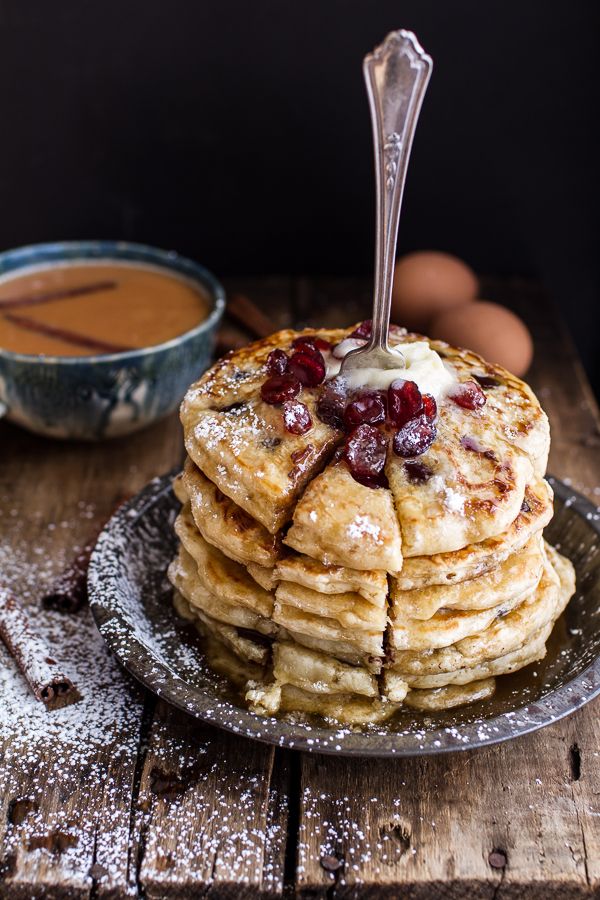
(489, 329)
(427, 283)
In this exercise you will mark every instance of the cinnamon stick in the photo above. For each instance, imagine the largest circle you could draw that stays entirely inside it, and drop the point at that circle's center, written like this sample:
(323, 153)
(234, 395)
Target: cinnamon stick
(70, 337)
(58, 294)
(247, 313)
(69, 591)
(35, 661)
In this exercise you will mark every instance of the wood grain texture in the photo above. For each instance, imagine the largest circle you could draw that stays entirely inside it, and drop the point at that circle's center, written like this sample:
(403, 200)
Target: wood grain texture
(212, 822)
(65, 812)
(188, 811)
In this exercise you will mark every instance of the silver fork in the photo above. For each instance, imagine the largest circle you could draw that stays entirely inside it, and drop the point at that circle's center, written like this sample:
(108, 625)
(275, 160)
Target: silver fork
(396, 74)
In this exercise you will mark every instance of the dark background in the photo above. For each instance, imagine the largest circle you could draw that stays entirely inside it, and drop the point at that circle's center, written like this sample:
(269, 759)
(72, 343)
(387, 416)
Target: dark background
(238, 132)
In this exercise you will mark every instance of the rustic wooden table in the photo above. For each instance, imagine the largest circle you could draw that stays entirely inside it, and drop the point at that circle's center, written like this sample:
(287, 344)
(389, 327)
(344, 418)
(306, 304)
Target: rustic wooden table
(121, 796)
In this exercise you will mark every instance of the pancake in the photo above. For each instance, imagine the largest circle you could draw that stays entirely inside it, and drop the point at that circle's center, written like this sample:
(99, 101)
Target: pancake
(263, 575)
(556, 586)
(318, 673)
(239, 374)
(319, 595)
(310, 573)
(470, 495)
(479, 558)
(297, 621)
(522, 421)
(447, 626)
(183, 575)
(224, 524)
(217, 573)
(237, 671)
(340, 522)
(518, 575)
(246, 648)
(336, 647)
(532, 651)
(240, 443)
(451, 696)
(349, 609)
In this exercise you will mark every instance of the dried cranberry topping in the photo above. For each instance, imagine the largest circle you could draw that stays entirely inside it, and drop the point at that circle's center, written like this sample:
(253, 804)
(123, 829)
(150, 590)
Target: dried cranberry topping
(417, 472)
(363, 330)
(365, 452)
(277, 362)
(311, 340)
(375, 481)
(332, 402)
(365, 409)
(404, 401)
(308, 367)
(414, 438)
(296, 417)
(279, 388)
(429, 407)
(468, 394)
(486, 381)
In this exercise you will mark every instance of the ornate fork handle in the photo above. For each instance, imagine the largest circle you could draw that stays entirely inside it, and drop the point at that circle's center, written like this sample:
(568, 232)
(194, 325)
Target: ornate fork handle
(396, 75)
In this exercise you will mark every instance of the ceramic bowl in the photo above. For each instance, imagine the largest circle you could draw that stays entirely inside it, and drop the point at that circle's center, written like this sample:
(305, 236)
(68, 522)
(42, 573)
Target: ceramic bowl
(95, 397)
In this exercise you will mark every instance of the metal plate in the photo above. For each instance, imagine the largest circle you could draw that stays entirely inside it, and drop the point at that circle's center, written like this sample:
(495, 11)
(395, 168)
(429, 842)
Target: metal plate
(131, 602)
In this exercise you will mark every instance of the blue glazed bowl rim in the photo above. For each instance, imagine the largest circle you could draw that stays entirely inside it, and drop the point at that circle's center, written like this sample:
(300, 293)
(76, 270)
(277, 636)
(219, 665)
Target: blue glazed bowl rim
(119, 251)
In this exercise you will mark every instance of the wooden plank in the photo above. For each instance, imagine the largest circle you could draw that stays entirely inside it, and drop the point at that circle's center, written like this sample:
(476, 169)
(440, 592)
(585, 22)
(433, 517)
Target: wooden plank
(423, 828)
(66, 777)
(431, 825)
(213, 823)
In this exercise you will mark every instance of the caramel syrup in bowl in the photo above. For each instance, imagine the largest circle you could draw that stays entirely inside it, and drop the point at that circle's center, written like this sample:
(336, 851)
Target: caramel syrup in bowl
(81, 309)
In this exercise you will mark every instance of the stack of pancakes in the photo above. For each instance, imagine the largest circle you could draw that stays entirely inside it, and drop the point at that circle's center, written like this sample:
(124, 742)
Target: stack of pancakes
(320, 595)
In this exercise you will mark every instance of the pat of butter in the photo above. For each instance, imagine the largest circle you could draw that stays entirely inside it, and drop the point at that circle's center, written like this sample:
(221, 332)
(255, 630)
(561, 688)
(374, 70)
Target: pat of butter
(422, 365)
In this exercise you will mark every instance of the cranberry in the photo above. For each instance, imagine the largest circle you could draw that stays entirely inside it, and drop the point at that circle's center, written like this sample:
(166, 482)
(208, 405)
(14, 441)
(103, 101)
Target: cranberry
(311, 341)
(277, 362)
(308, 367)
(296, 417)
(363, 330)
(332, 402)
(486, 381)
(365, 452)
(404, 401)
(278, 388)
(429, 407)
(414, 438)
(366, 409)
(417, 472)
(468, 394)
(376, 481)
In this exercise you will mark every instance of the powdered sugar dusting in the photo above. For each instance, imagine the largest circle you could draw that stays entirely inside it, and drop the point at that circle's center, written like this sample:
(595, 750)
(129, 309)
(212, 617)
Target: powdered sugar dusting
(363, 527)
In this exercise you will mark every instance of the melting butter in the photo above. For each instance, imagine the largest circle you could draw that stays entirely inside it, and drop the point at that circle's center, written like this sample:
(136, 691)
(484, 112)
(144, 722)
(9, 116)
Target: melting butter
(422, 365)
